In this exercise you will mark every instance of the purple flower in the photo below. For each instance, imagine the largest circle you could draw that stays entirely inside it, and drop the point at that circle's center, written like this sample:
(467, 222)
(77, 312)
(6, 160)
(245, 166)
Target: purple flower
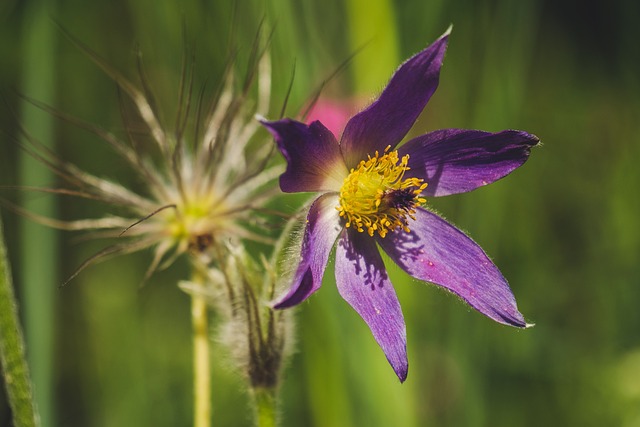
(371, 192)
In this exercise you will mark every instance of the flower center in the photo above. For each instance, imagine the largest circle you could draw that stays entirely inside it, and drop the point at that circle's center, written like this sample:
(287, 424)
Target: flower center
(376, 198)
(192, 223)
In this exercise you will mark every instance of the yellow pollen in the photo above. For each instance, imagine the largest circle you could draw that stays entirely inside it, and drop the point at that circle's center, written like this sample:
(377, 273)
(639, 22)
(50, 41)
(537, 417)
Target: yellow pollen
(376, 198)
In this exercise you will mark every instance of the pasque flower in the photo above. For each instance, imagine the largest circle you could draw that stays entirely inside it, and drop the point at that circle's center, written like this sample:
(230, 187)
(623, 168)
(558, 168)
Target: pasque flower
(203, 180)
(371, 194)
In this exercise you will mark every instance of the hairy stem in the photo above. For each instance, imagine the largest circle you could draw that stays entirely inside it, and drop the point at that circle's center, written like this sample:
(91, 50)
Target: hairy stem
(14, 365)
(265, 402)
(201, 365)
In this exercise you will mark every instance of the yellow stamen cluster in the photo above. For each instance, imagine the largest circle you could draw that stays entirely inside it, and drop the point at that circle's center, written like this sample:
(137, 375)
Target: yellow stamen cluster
(376, 198)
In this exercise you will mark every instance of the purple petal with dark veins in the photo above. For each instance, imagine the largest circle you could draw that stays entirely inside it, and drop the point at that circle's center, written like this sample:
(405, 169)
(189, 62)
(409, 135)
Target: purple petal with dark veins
(314, 161)
(389, 118)
(322, 229)
(362, 281)
(457, 160)
(437, 252)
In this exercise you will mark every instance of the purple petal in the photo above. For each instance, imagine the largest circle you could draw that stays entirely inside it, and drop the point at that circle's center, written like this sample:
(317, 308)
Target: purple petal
(362, 281)
(437, 252)
(389, 118)
(457, 160)
(314, 161)
(321, 231)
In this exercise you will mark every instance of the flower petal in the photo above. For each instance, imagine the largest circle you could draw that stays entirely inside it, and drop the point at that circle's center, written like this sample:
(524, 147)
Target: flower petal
(389, 118)
(362, 281)
(438, 252)
(322, 229)
(314, 161)
(458, 160)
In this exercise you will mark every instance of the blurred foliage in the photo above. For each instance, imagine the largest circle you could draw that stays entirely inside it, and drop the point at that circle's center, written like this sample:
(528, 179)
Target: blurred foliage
(564, 229)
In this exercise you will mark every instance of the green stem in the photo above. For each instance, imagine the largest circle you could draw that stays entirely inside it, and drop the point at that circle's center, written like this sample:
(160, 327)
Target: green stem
(201, 365)
(14, 365)
(265, 401)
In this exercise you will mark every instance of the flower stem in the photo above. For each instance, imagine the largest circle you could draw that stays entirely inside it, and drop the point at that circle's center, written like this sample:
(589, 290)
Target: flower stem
(14, 365)
(265, 402)
(201, 365)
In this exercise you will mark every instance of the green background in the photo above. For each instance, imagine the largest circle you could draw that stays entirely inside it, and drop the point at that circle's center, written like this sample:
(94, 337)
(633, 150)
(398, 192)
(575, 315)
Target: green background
(564, 229)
